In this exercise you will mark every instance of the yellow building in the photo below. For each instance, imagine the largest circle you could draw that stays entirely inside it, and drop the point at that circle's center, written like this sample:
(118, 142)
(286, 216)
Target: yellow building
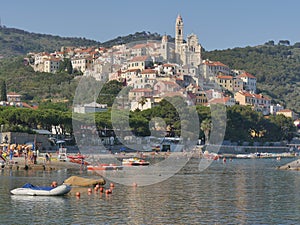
(140, 62)
(229, 83)
(287, 113)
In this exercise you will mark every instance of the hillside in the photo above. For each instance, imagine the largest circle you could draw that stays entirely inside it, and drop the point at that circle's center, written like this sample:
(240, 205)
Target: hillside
(19, 42)
(277, 68)
(15, 42)
(138, 36)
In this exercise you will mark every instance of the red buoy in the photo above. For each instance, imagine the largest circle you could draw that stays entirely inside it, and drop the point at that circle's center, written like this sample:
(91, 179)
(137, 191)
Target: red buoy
(101, 189)
(77, 194)
(54, 184)
(112, 185)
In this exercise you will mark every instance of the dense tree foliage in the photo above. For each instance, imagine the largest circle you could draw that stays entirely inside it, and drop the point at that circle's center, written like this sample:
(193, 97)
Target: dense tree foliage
(19, 42)
(109, 92)
(22, 79)
(243, 124)
(138, 36)
(3, 94)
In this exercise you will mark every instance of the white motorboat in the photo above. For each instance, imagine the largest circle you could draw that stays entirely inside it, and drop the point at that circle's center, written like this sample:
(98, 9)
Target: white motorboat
(29, 189)
(135, 162)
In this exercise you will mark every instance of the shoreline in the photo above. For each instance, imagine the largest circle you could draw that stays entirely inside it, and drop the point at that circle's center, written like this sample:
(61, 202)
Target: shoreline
(18, 163)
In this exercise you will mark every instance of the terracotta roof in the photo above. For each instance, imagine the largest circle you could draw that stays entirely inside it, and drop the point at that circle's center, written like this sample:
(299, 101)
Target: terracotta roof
(212, 63)
(257, 96)
(246, 75)
(13, 94)
(168, 65)
(141, 90)
(285, 110)
(25, 105)
(132, 70)
(171, 83)
(219, 100)
(139, 46)
(224, 77)
(147, 71)
(139, 58)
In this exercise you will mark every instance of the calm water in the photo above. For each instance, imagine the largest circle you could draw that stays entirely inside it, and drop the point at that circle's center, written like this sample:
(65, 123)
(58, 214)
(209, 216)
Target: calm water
(244, 191)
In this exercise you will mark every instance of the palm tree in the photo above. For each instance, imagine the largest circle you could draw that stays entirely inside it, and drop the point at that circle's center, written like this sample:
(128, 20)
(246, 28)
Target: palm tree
(206, 127)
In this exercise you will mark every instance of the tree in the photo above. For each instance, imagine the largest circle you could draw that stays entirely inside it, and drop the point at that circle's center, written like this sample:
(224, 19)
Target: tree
(3, 95)
(69, 67)
(284, 42)
(272, 43)
(206, 127)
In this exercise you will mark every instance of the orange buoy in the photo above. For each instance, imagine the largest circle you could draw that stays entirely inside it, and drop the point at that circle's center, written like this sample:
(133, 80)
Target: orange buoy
(54, 184)
(77, 194)
(112, 185)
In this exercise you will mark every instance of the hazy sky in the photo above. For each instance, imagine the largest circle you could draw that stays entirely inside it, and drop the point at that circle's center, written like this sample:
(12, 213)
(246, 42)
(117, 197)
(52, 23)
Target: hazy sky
(219, 24)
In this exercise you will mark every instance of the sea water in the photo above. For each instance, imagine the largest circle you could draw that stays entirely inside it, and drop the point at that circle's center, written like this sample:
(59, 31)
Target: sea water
(241, 191)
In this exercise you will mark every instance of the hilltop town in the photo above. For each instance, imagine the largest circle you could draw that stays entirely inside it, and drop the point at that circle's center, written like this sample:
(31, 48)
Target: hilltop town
(156, 69)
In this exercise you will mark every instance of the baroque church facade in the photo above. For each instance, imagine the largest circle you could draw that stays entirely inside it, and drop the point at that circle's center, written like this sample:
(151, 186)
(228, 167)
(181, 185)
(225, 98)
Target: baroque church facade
(189, 52)
(184, 52)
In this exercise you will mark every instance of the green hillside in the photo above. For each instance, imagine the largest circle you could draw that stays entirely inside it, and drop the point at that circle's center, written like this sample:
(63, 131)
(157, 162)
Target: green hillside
(277, 68)
(138, 36)
(19, 42)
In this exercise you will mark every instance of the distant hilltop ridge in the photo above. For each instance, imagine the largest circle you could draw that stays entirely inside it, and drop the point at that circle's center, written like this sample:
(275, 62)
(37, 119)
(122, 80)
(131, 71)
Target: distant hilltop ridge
(19, 42)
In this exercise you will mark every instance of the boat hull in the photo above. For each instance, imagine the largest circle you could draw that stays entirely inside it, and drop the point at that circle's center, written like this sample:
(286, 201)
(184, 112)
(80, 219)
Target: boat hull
(104, 167)
(59, 190)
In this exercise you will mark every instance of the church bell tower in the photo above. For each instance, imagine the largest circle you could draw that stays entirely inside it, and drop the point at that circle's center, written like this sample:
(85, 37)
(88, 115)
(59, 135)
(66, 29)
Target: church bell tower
(179, 34)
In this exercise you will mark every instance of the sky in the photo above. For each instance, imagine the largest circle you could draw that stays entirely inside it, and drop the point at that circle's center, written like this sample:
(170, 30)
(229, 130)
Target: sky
(219, 24)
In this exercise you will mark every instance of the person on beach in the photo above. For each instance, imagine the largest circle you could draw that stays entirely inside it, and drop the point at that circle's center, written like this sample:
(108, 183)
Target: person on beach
(47, 158)
(34, 156)
(11, 154)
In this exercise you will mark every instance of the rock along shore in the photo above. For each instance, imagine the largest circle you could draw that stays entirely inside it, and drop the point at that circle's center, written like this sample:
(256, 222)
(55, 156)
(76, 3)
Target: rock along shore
(295, 165)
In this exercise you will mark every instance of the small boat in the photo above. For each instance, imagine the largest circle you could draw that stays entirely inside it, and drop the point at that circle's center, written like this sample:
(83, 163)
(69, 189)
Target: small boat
(32, 190)
(104, 167)
(78, 156)
(135, 162)
(78, 161)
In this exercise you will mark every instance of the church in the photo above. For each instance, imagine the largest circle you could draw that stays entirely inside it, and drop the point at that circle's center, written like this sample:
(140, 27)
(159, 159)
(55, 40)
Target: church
(186, 52)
